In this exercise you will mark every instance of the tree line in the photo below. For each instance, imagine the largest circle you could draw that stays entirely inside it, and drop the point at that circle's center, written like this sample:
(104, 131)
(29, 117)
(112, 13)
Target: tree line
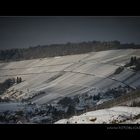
(61, 50)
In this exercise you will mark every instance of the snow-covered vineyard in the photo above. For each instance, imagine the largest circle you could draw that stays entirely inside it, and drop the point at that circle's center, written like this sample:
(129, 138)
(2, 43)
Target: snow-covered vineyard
(88, 78)
(67, 75)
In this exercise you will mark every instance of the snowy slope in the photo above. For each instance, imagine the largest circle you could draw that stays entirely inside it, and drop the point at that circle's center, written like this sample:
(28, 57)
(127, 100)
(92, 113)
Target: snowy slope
(69, 75)
(120, 114)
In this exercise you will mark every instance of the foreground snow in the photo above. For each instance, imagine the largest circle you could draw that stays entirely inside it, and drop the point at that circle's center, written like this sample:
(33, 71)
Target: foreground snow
(120, 114)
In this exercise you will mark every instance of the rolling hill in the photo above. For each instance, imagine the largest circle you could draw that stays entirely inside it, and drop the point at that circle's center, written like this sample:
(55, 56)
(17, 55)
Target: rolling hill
(50, 80)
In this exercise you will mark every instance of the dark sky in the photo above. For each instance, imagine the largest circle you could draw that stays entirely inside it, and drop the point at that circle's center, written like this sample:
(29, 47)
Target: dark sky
(25, 31)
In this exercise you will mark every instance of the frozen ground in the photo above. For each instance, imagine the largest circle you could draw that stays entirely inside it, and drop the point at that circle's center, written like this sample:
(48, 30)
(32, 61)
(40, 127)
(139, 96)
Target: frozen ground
(120, 114)
(69, 75)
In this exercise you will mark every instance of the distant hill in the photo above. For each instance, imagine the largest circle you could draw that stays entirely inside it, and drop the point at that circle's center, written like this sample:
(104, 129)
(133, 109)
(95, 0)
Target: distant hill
(61, 50)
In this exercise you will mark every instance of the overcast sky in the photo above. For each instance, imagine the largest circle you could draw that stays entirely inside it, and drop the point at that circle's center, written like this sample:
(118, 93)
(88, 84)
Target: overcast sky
(25, 31)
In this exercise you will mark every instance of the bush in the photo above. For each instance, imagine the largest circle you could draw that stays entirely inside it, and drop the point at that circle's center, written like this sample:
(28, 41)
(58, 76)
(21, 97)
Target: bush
(71, 110)
(96, 97)
(119, 70)
(66, 101)
(20, 113)
(135, 104)
(19, 80)
(6, 84)
(134, 62)
(137, 68)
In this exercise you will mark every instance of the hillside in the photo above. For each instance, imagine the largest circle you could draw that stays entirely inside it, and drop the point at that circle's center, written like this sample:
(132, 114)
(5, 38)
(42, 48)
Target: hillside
(122, 110)
(115, 115)
(72, 84)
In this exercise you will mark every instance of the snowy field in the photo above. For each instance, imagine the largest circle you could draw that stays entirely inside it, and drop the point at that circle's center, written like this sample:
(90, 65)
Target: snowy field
(69, 75)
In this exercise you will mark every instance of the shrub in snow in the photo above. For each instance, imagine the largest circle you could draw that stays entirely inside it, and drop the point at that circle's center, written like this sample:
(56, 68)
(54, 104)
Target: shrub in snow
(135, 104)
(6, 84)
(119, 70)
(71, 110)
(65, 101)
(96, 97)
(20, 113)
